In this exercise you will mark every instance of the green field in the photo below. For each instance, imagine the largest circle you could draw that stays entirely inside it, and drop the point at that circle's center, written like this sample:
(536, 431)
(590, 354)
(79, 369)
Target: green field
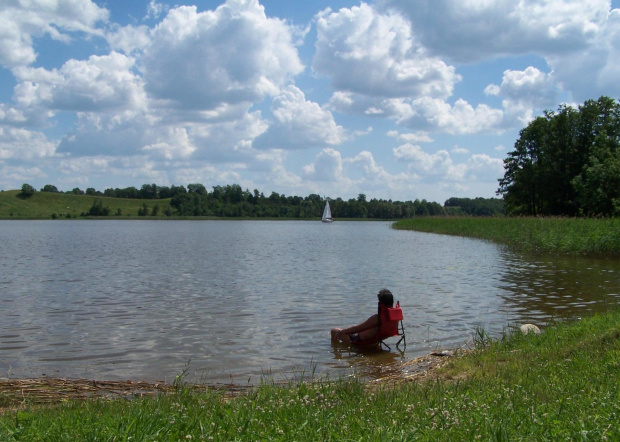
(563, 384)
(571, 236)
(47, 205)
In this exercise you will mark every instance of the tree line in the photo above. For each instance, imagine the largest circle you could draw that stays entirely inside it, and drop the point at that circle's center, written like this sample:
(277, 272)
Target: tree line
(566, 163)
(231, 201)
(234, 201)
(474, 206)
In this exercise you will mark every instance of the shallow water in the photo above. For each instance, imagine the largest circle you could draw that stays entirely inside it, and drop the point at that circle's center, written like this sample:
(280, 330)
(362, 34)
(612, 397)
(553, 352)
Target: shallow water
(238, 300)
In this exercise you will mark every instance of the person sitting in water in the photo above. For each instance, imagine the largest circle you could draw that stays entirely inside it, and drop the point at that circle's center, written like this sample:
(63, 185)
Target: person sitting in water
(367, 329)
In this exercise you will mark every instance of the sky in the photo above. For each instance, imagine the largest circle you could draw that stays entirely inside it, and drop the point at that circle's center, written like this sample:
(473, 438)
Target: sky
(393, 99)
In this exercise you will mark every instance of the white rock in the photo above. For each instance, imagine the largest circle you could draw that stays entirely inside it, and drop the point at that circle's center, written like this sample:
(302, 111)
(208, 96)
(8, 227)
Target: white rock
(529, 328)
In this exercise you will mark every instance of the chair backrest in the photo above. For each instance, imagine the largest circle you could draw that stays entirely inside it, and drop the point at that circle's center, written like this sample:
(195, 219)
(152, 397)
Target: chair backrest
(389, 317)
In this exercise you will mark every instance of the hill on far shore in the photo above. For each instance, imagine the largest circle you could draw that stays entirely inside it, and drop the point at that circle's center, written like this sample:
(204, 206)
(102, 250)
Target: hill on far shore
(48, 205)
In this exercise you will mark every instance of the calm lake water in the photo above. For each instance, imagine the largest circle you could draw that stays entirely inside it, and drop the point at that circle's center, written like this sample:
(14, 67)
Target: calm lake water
(238, 300)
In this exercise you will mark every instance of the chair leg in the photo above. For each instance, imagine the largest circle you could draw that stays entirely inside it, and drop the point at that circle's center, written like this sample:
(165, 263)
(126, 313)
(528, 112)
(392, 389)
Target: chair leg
(402, 332)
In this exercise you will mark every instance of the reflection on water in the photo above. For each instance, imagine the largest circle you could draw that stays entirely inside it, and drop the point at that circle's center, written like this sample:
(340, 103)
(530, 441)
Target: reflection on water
(563, 288)
(238, 299)
(370, 363)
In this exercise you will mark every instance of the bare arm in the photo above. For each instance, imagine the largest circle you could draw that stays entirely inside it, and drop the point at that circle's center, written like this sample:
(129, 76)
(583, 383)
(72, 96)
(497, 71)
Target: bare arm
(371, 322)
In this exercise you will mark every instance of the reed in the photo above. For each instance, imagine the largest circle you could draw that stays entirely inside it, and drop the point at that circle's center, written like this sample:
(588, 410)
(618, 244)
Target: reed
(563, 384)
(571, 236)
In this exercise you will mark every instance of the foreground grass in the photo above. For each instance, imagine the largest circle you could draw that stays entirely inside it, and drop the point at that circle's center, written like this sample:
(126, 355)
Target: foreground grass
(573, 236)
(561, 385)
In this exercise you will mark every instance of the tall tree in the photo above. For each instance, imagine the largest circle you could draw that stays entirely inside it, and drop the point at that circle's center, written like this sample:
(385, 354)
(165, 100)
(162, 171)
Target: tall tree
(598, 183)
(566, 163)
(521, 185)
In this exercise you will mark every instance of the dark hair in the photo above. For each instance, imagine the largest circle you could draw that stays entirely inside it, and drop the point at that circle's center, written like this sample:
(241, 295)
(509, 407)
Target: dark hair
(386, 298)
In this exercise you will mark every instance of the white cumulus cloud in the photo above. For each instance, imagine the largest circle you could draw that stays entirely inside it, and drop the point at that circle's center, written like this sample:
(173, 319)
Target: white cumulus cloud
(523, 92)
(478, 167)
(129, 38)
(22, 144)
(22, 21)
(578, 39)
(472, 30)
(100, 83)
(327, 166)
(437, 115)
(300, 123)
(171, 143)
(594, 70)
(233, 54)
(375, 54)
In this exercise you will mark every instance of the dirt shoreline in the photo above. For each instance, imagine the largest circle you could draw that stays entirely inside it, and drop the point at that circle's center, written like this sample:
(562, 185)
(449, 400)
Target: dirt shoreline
(46, 390)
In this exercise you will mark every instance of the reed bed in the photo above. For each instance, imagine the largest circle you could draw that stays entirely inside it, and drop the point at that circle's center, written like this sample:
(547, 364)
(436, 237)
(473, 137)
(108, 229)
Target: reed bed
(16, 392)
(568, 236)
(52, 390)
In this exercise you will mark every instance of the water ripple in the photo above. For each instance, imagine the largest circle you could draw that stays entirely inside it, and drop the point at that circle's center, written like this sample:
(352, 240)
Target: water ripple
(139, 300)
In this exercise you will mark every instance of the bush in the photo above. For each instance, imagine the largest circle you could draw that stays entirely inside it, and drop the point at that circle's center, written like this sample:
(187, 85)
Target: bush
(27, 191)
(97, 209)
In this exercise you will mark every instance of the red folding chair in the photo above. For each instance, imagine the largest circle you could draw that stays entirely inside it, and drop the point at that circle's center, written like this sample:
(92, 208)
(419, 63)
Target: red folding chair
(390, 325)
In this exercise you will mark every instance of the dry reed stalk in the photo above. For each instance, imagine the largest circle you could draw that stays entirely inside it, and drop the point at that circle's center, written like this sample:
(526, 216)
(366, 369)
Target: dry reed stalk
(50, 390)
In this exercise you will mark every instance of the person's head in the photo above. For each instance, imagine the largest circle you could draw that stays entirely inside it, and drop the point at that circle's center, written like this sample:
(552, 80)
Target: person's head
(385, 297)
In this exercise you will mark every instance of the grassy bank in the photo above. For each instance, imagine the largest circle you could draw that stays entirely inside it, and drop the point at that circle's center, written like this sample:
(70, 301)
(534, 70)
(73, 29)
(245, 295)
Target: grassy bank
(573, 236)
(47, 205)
(561, 385)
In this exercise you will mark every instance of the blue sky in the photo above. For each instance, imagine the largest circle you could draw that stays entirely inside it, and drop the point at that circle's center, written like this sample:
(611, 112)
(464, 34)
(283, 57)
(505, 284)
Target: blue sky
(395, 99)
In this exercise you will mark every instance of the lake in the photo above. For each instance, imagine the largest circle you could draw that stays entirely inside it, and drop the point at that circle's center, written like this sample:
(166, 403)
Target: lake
(235, 301)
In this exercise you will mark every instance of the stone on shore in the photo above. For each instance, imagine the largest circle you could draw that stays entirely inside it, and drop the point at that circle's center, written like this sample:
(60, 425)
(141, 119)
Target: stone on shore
(529, 328)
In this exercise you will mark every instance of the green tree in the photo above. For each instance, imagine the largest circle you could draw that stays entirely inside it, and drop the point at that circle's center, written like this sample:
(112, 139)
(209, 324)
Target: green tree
(144, 210)
(97, 209)
(598, 183)
(50, 188)
(520, 185)
(560, 162)
(148, 192)
(27, 191)
(197, 188)
(566, 163)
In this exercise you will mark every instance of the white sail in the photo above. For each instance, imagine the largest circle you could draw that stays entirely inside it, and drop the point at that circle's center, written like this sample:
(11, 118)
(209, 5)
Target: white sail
(327, 213)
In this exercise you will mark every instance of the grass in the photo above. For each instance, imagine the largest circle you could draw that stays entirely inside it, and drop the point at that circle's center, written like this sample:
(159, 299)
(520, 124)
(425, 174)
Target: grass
(571, 236)
(44, 205)
(563, 384)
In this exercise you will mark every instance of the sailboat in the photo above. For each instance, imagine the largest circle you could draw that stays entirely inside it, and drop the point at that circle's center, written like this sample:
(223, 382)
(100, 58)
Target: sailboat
(327, 214)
